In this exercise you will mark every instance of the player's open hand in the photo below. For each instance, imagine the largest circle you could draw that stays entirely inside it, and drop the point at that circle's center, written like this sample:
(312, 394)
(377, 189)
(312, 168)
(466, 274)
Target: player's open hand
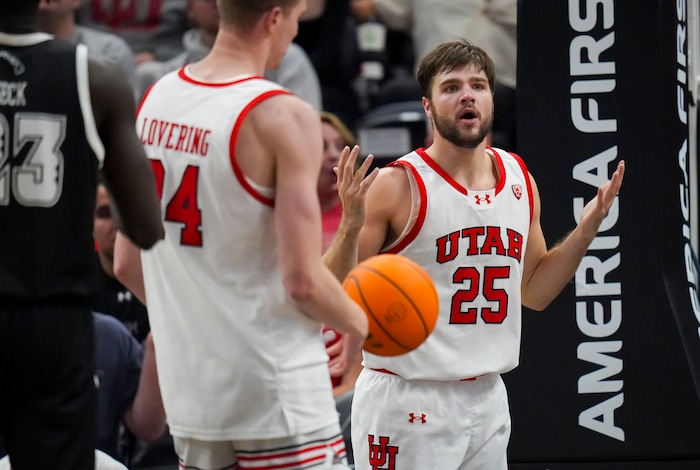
(353, 185)
(597, 209)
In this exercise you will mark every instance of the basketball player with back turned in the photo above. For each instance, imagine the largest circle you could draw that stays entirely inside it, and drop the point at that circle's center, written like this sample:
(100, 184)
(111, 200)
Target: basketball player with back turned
(62, 118)
(237, 291)
(470, 215)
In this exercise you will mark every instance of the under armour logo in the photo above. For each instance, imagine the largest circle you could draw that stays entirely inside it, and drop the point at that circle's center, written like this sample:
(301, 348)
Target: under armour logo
(382, 456)
(485, 198)
(124, 296)
(412, 418)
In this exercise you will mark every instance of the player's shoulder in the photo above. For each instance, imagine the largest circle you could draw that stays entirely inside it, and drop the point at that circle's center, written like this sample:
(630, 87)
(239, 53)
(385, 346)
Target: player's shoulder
(284, 111)
(393, 184)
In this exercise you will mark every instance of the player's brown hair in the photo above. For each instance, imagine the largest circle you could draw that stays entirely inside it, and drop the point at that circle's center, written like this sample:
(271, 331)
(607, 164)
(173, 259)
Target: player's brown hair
(449, 56)
(245, 13)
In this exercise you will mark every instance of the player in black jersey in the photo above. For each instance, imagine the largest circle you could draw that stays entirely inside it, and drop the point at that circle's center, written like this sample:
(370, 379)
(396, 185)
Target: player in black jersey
(63, 118)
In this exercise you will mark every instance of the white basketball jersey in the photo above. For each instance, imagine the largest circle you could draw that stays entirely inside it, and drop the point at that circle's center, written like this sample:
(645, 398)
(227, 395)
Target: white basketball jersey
(472, 243)
(236, 358)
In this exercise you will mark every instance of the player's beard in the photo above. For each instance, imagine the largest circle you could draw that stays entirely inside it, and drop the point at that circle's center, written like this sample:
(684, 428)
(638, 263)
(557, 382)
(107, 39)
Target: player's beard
(449, 131)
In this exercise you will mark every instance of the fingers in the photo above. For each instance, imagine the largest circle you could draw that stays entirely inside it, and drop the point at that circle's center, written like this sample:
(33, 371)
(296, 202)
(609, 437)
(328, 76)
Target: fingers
(334, 349)
(616, 179)
(347, 162)
(352, 176)
(608, 191)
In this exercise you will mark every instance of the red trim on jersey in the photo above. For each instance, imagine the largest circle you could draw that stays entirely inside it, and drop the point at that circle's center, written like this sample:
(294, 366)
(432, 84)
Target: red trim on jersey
(183, 75)
(297, 458)
(422, 210)
(437, 169)
(501, 183)
(232, 145)
(528, 182)
(143, 99)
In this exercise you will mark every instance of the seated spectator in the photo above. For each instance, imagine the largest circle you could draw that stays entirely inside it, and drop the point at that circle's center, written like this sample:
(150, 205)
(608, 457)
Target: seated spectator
(57, 17)
(295, 71)
(111, 297)
(128, 390)
(152, 28)
(336, 136)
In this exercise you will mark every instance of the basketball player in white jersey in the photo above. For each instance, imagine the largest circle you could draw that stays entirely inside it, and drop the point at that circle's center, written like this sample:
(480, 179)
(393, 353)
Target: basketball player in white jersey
(470, 215)
(237, 291)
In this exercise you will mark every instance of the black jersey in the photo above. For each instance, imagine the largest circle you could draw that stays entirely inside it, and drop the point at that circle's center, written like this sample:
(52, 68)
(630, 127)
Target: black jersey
(112, 298)
(49, 156)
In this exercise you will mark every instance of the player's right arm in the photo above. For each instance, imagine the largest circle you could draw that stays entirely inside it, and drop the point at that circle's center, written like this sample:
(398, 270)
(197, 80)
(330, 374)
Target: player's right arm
(290, 132)
(126, 169)
(374, 212)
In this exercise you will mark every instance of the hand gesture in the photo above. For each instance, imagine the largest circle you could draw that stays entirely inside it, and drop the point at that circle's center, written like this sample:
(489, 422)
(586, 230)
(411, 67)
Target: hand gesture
(352, 184)
(597, 208)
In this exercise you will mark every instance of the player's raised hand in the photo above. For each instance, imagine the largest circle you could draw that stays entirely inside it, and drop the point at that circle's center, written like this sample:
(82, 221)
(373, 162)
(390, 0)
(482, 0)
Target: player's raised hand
(597, 208)
(352, 183)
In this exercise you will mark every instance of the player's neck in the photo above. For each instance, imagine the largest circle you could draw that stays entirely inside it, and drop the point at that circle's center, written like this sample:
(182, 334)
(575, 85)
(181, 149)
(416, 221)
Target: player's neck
(444, 150)
(473, 168)
(231, 56)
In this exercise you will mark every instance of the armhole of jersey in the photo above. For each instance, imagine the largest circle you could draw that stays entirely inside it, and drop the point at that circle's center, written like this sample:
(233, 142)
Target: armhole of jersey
(528, 183)
(93, 137)
(419, 209)
(254, 190)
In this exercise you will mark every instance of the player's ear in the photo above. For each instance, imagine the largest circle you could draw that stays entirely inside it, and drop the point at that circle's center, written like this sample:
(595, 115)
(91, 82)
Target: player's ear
(272, 17)
(427, 107)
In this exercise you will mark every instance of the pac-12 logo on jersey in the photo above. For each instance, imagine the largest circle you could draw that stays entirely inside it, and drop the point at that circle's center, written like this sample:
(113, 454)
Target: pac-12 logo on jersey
(518, 191)
(382, 456)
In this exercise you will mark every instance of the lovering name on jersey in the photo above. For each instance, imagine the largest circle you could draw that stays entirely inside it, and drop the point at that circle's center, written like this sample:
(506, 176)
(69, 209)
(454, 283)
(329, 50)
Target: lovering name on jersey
(175, 136)
(12, 93)
(480, 241)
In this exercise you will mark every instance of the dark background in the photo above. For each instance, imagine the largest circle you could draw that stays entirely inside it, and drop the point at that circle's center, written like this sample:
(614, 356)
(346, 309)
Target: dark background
(660, 348)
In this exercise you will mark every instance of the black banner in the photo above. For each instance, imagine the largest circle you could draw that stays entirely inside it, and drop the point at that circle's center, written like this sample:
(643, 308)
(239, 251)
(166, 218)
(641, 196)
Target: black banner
(610, 372)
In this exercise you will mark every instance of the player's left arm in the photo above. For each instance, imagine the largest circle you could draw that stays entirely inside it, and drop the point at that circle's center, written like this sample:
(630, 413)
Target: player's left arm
(546, 272)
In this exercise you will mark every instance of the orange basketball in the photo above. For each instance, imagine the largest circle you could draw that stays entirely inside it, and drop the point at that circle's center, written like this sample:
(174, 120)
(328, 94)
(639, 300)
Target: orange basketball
(400, 300)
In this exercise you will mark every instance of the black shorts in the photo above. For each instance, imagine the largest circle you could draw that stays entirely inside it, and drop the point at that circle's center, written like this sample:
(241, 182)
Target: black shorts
(48, 399)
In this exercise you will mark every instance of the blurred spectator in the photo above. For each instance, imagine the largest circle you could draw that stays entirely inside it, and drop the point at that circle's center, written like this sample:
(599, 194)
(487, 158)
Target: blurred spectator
(111, 297)
(128, 391)
(57, 17)
(336, 136)
(490, 24)
(152, 28)
(314, 9)
(330, 42)
(295, 71)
